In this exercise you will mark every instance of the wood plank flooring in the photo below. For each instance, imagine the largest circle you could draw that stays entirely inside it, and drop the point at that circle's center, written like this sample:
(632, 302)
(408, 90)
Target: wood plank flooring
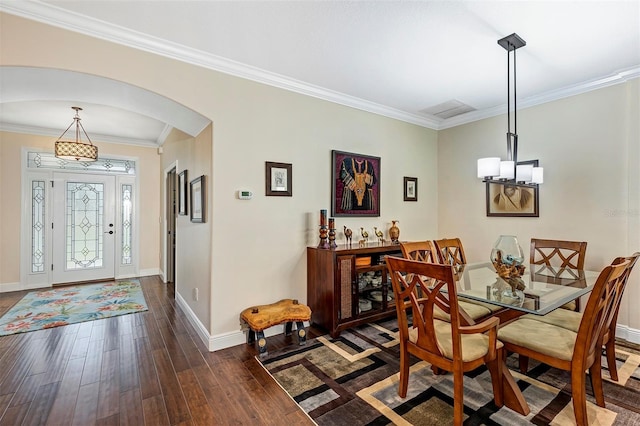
(148, 368)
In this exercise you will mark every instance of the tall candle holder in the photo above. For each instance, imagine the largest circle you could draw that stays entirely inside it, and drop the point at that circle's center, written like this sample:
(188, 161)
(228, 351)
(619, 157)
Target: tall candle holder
(332, 233)
(324, 230)
(324, 233)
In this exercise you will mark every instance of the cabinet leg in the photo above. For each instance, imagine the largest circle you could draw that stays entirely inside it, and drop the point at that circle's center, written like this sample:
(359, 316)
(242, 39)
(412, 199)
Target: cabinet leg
(302, 333)
(262, 344)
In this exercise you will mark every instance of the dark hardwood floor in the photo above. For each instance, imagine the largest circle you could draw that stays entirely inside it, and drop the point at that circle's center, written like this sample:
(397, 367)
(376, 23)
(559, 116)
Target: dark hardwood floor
(147, 368)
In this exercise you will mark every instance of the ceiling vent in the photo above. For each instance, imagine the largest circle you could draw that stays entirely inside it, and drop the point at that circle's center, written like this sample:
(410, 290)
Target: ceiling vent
(448, 109)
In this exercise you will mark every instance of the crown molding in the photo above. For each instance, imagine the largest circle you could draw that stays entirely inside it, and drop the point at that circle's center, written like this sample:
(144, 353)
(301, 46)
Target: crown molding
(164, 135)
(52, 15)
(552, 95)
(55, 133)
(62, 18)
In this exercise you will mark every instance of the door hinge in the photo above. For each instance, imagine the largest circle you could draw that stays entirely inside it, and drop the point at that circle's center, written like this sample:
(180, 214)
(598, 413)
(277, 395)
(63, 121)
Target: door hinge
(52, 184)
(51, 225)
(52, 266)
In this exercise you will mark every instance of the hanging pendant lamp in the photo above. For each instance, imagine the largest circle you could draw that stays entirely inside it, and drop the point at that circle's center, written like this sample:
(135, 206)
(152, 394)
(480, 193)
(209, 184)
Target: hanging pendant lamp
(509, 171)
(78, 150)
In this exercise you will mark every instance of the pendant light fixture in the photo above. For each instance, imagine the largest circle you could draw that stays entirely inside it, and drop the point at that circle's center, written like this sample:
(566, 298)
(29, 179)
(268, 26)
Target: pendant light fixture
(78, 150)
(509, 171)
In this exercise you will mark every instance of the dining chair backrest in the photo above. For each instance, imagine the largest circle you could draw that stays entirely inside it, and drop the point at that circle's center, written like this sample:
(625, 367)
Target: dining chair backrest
(450, 251)
(558, 253)
(610, 322)
(423, 251)
(598, 312)
(418, 288)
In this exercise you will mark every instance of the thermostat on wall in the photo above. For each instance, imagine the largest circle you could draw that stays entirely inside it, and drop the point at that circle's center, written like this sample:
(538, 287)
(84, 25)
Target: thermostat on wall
(243, 194)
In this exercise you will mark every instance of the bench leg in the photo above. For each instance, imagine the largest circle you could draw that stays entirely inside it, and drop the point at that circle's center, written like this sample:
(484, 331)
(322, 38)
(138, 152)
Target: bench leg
(287, 328)
(262, 344)
(302, 334)
(251, 337)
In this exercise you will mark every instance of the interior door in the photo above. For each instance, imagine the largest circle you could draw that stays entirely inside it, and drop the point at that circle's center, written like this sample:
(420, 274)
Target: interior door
(171, 228)
(83, 227)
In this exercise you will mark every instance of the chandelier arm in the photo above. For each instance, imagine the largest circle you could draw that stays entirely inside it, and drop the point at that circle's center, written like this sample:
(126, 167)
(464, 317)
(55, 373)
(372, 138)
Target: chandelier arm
(515, 94)
(84, 131)
(60, 137)
(508, 106)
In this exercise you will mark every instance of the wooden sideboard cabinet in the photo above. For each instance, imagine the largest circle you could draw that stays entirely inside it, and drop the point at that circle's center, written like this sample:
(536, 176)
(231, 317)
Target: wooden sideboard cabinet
(349, 285)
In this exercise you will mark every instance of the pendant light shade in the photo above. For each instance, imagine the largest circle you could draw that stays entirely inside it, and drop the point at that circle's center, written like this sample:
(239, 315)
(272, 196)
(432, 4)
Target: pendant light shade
(76, 150)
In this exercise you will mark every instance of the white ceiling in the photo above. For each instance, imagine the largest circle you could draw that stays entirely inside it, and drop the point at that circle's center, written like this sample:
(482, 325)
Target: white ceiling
(395, 58)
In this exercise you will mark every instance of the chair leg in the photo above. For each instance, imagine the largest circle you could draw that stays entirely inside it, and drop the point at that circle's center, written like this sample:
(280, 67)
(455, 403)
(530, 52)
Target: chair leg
(578, 393)
(404, 372)
(595, 372)
(458, 397)
(523, 363)
(611, 358)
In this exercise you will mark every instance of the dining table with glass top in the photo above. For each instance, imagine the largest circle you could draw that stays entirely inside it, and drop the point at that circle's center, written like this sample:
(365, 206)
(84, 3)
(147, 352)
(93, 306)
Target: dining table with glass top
(541, 290)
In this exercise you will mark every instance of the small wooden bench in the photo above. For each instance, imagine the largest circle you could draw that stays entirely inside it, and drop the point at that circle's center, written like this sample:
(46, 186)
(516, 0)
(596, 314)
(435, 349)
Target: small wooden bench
(259, 318)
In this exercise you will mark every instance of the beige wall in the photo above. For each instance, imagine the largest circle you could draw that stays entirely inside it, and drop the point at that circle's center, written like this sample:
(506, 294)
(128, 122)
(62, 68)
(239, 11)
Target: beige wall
(193, 240)
(257, 246)
(588, 146)
(11, 145)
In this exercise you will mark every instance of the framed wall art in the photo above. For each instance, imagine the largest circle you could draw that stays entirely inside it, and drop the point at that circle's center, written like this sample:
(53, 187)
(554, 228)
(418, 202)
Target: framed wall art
(410, 189)
(198, 199)
(183, 190)
(278, 179)
(355, 184)
(512, 200)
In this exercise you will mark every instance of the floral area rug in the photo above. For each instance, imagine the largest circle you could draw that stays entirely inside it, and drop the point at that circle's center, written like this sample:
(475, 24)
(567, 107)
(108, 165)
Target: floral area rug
(69, 305)
(353, 380)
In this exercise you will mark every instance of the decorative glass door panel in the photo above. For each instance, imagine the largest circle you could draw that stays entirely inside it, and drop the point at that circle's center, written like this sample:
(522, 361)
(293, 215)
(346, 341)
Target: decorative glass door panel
(83, 227)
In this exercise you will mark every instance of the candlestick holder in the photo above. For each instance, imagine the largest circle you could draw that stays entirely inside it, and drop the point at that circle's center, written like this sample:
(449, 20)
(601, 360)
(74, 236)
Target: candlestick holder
(332, 233)
(324, 233)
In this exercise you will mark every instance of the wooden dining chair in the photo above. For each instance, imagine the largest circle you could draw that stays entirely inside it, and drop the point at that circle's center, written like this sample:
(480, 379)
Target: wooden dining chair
(425, 251)
(571, 320)
(450, 251)
(567, 350)
(448, 346)
(559, 255)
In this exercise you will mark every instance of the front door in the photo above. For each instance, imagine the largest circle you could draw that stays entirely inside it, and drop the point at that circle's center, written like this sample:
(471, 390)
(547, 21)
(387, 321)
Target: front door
(83, 227)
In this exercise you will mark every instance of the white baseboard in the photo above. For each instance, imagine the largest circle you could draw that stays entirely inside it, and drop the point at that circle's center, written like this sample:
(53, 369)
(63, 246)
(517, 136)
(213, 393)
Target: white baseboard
(234, 338)
(202, 331)
(17, 286)
(629, 334)
(224, 340)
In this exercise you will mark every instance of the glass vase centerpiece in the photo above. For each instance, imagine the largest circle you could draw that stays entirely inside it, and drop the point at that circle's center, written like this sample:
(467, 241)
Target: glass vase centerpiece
(507, 258)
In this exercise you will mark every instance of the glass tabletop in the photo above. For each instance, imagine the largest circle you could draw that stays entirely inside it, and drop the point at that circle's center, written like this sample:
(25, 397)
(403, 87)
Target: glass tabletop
(541, 290)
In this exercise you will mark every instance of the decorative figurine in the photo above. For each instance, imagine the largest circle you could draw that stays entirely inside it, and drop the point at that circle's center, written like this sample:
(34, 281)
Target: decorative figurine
(348, 233)
(394, 232)
(365, 236)
(379, 234)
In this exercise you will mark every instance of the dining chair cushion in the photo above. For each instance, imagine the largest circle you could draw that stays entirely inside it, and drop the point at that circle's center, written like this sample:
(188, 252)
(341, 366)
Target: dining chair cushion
(474, 346)
(573, 305)
(473, 310)
(564, 318)
(541, 337)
